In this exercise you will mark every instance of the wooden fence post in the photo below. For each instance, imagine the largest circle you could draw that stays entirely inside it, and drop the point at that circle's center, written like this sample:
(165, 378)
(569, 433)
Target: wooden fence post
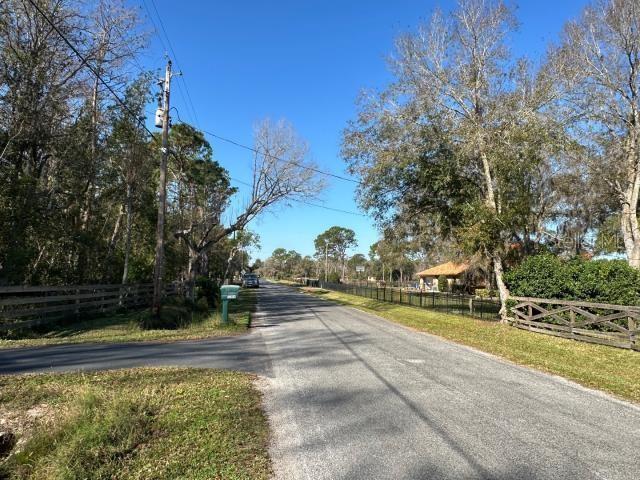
(632, 325)
(572, 321)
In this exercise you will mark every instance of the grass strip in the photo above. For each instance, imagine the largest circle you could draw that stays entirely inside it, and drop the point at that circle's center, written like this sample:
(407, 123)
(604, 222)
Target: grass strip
(126, 327)
(612, 370)
(135, 424)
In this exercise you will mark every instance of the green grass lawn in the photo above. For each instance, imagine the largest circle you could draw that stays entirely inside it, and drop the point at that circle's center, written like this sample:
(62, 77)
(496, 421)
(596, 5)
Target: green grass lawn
(126, 328)
(613, 370)
(135, 424)
(283, 281)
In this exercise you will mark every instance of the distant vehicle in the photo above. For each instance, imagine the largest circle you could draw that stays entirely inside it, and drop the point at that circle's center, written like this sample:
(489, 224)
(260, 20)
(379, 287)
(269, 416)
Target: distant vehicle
(250, 280)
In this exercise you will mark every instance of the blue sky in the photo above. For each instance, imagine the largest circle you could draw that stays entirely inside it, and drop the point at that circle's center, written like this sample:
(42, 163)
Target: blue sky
(305, 61)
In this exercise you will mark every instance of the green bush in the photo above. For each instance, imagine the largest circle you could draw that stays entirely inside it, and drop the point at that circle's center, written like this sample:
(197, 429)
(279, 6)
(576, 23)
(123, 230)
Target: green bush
(208, 289)
(443, 284)
(334, 277)
(485, 293)
(171, 317)
(202, 305)
(608, 281)
(543, 276)
(548, 276)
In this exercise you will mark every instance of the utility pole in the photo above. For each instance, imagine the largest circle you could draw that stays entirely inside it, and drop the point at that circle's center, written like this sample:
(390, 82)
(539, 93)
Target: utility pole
(158, 270)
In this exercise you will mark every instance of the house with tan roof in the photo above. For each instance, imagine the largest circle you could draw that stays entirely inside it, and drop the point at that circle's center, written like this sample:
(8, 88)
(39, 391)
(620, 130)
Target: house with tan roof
(454, 272)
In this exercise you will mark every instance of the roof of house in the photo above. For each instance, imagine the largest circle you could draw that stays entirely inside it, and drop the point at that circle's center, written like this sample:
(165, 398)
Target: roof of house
(449, 269)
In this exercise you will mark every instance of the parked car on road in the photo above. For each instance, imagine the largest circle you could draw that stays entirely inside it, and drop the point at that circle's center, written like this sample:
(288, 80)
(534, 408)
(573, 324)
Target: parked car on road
(250, 280)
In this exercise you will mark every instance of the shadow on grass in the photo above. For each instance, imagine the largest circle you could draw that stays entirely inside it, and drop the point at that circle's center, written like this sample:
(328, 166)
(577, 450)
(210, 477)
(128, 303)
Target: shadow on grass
(70, 328)
(120, 325)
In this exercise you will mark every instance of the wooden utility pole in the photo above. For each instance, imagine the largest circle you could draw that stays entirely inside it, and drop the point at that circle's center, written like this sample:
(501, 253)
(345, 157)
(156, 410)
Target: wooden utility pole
(158, 270)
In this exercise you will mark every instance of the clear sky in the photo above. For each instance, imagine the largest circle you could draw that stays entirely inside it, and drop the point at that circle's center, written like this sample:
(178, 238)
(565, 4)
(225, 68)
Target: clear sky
(305, 61)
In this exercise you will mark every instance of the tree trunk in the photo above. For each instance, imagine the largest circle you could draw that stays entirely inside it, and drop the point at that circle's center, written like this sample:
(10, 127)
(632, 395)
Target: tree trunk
(502, 288)
(191, 274)
(112, 245)
(629, 200)
(495, 256)
(232, 254)
(127, 245)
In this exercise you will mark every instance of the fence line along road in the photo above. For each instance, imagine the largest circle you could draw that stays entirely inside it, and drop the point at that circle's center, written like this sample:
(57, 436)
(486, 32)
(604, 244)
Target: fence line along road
(602, 323)
(459, 304)
(26, 307)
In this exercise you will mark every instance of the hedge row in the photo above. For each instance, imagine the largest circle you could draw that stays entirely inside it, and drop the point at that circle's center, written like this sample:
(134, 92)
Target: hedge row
(548, 276)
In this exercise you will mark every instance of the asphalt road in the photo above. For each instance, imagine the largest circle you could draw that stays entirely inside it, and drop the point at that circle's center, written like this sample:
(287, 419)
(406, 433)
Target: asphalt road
(351, 396)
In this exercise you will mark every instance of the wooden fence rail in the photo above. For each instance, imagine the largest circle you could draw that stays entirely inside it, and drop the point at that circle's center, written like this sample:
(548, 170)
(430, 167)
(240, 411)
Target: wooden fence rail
(602, 323)
(25, 307)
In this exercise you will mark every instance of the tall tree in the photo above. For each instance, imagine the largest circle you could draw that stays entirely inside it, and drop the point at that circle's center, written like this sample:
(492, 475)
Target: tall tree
(598, 64)
(459, 136)
(335, 242)
(126, 174)
(282, 172)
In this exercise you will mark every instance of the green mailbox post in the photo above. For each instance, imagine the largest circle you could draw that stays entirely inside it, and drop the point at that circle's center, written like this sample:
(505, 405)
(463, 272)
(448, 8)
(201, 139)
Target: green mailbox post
(227, 292)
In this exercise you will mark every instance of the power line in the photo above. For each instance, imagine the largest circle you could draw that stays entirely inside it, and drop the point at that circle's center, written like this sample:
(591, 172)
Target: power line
(233, 142)
(89, 66)
(140, 122)
(164, 45)
(311, 204)
(188, 101)
(195, 115)
(259, 152)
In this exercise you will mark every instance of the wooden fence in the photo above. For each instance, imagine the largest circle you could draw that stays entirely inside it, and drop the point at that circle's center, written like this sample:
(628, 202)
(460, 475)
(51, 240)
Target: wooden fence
(602, 323)
(26, 307)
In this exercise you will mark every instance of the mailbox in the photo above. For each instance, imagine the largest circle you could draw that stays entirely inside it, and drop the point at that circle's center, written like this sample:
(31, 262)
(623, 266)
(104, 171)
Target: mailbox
(227, 292)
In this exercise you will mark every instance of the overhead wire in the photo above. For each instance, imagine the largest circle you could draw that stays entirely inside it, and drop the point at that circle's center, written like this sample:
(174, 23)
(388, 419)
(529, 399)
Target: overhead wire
(188, 100)
(164, 45)
(89, 66)
(219, 137)
(279, 159)
(299, 200)
(260, 152)
(141, 123)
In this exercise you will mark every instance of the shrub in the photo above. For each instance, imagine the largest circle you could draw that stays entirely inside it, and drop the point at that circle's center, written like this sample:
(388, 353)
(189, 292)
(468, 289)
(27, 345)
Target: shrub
(443, 284)
(543, 276)
(485, 293)
(171, 317)
(208, 289)
(608, 281)
(548, 276)
(333, 277)
(202, 305)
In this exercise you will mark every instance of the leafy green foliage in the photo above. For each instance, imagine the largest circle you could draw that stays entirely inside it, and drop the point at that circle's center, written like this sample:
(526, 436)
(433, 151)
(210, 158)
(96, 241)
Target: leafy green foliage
(548, 276)
(333, 277)
(443, 284)
(208, 289)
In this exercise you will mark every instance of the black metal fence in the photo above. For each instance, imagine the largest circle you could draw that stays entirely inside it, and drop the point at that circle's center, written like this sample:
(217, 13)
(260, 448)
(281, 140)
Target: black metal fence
(459, 304)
